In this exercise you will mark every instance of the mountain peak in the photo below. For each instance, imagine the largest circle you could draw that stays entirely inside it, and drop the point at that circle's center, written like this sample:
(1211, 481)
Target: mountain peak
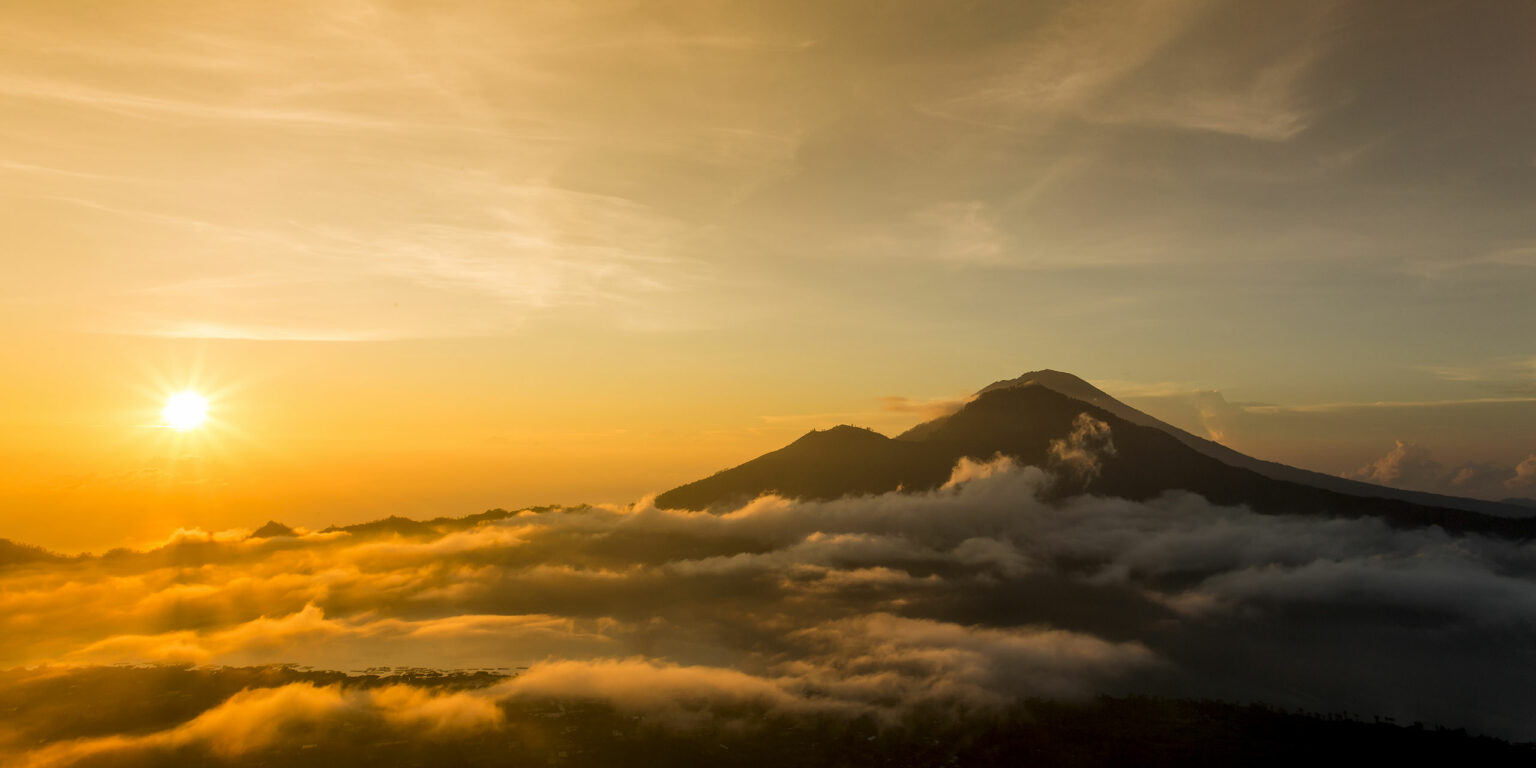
(1060, 382)
(272, 529)
(1065, 383)
(842, 433)
(1026, 417)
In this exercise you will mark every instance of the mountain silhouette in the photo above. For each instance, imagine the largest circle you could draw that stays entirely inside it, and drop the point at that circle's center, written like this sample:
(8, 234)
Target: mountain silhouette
(271, 530)
(392, 525)
(1078, 389)
(1024, 419)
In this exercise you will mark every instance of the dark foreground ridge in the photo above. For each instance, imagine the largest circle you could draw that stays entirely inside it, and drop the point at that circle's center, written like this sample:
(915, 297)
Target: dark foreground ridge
(42, 709)
(1022, 419)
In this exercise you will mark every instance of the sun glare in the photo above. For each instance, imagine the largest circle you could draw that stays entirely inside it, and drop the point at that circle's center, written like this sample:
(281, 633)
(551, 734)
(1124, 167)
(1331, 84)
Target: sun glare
(185, 410)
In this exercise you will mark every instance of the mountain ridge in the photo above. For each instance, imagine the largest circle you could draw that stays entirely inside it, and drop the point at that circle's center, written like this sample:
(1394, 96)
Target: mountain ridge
(1077, 388)
(1022, 418)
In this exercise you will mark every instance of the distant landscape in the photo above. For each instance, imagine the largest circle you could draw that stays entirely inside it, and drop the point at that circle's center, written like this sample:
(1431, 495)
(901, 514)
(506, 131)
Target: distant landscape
(1028, 572)
(783, 383)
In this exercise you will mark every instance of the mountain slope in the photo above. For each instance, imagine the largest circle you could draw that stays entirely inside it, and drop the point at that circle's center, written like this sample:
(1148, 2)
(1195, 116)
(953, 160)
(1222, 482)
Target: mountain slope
(823, 464)
(1078, 389)
(1023, 421)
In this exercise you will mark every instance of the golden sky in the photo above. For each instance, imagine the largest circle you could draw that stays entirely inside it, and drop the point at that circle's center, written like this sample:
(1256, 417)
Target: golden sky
(495, 254)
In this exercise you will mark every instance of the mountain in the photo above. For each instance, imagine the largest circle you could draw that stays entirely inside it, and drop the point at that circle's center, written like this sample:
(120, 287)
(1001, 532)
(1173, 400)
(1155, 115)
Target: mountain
(1022, 418)
(1076, 388)
(392, 525)
(272, 530)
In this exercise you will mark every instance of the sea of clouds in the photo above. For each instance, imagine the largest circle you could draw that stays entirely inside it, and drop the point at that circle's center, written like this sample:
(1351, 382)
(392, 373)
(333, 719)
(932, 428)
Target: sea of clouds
(975, 595)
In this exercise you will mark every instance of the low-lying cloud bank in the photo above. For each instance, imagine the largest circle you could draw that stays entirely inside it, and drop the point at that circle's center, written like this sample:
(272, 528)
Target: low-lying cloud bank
(258, 718)
(1410, 465)
(975, 595)
(227, 716)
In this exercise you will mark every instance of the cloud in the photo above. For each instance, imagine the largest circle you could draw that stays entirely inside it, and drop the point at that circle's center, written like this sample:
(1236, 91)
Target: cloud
(392, 181)
(941, 661)
(307, 637)
(1076, 56)
(985, 590)
(246, 721)
(1406, 465)
(962, 231)
(530, 210)
(411, 708)
(1409, 465)
(1525, 474)
(1432, 586)
(1511, 376)
(256, 719)
(653, 687)
(1081, 453)
(1448, 446)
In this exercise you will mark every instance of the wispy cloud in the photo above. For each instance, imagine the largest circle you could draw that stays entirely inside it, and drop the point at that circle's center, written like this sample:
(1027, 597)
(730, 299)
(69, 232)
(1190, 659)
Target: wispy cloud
(1509, 374)
(447, 171)
(1101, 64)
(480, 165)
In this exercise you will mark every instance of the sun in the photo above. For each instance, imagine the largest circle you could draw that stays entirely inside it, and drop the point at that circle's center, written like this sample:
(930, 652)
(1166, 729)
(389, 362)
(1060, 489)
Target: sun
(185, 410)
